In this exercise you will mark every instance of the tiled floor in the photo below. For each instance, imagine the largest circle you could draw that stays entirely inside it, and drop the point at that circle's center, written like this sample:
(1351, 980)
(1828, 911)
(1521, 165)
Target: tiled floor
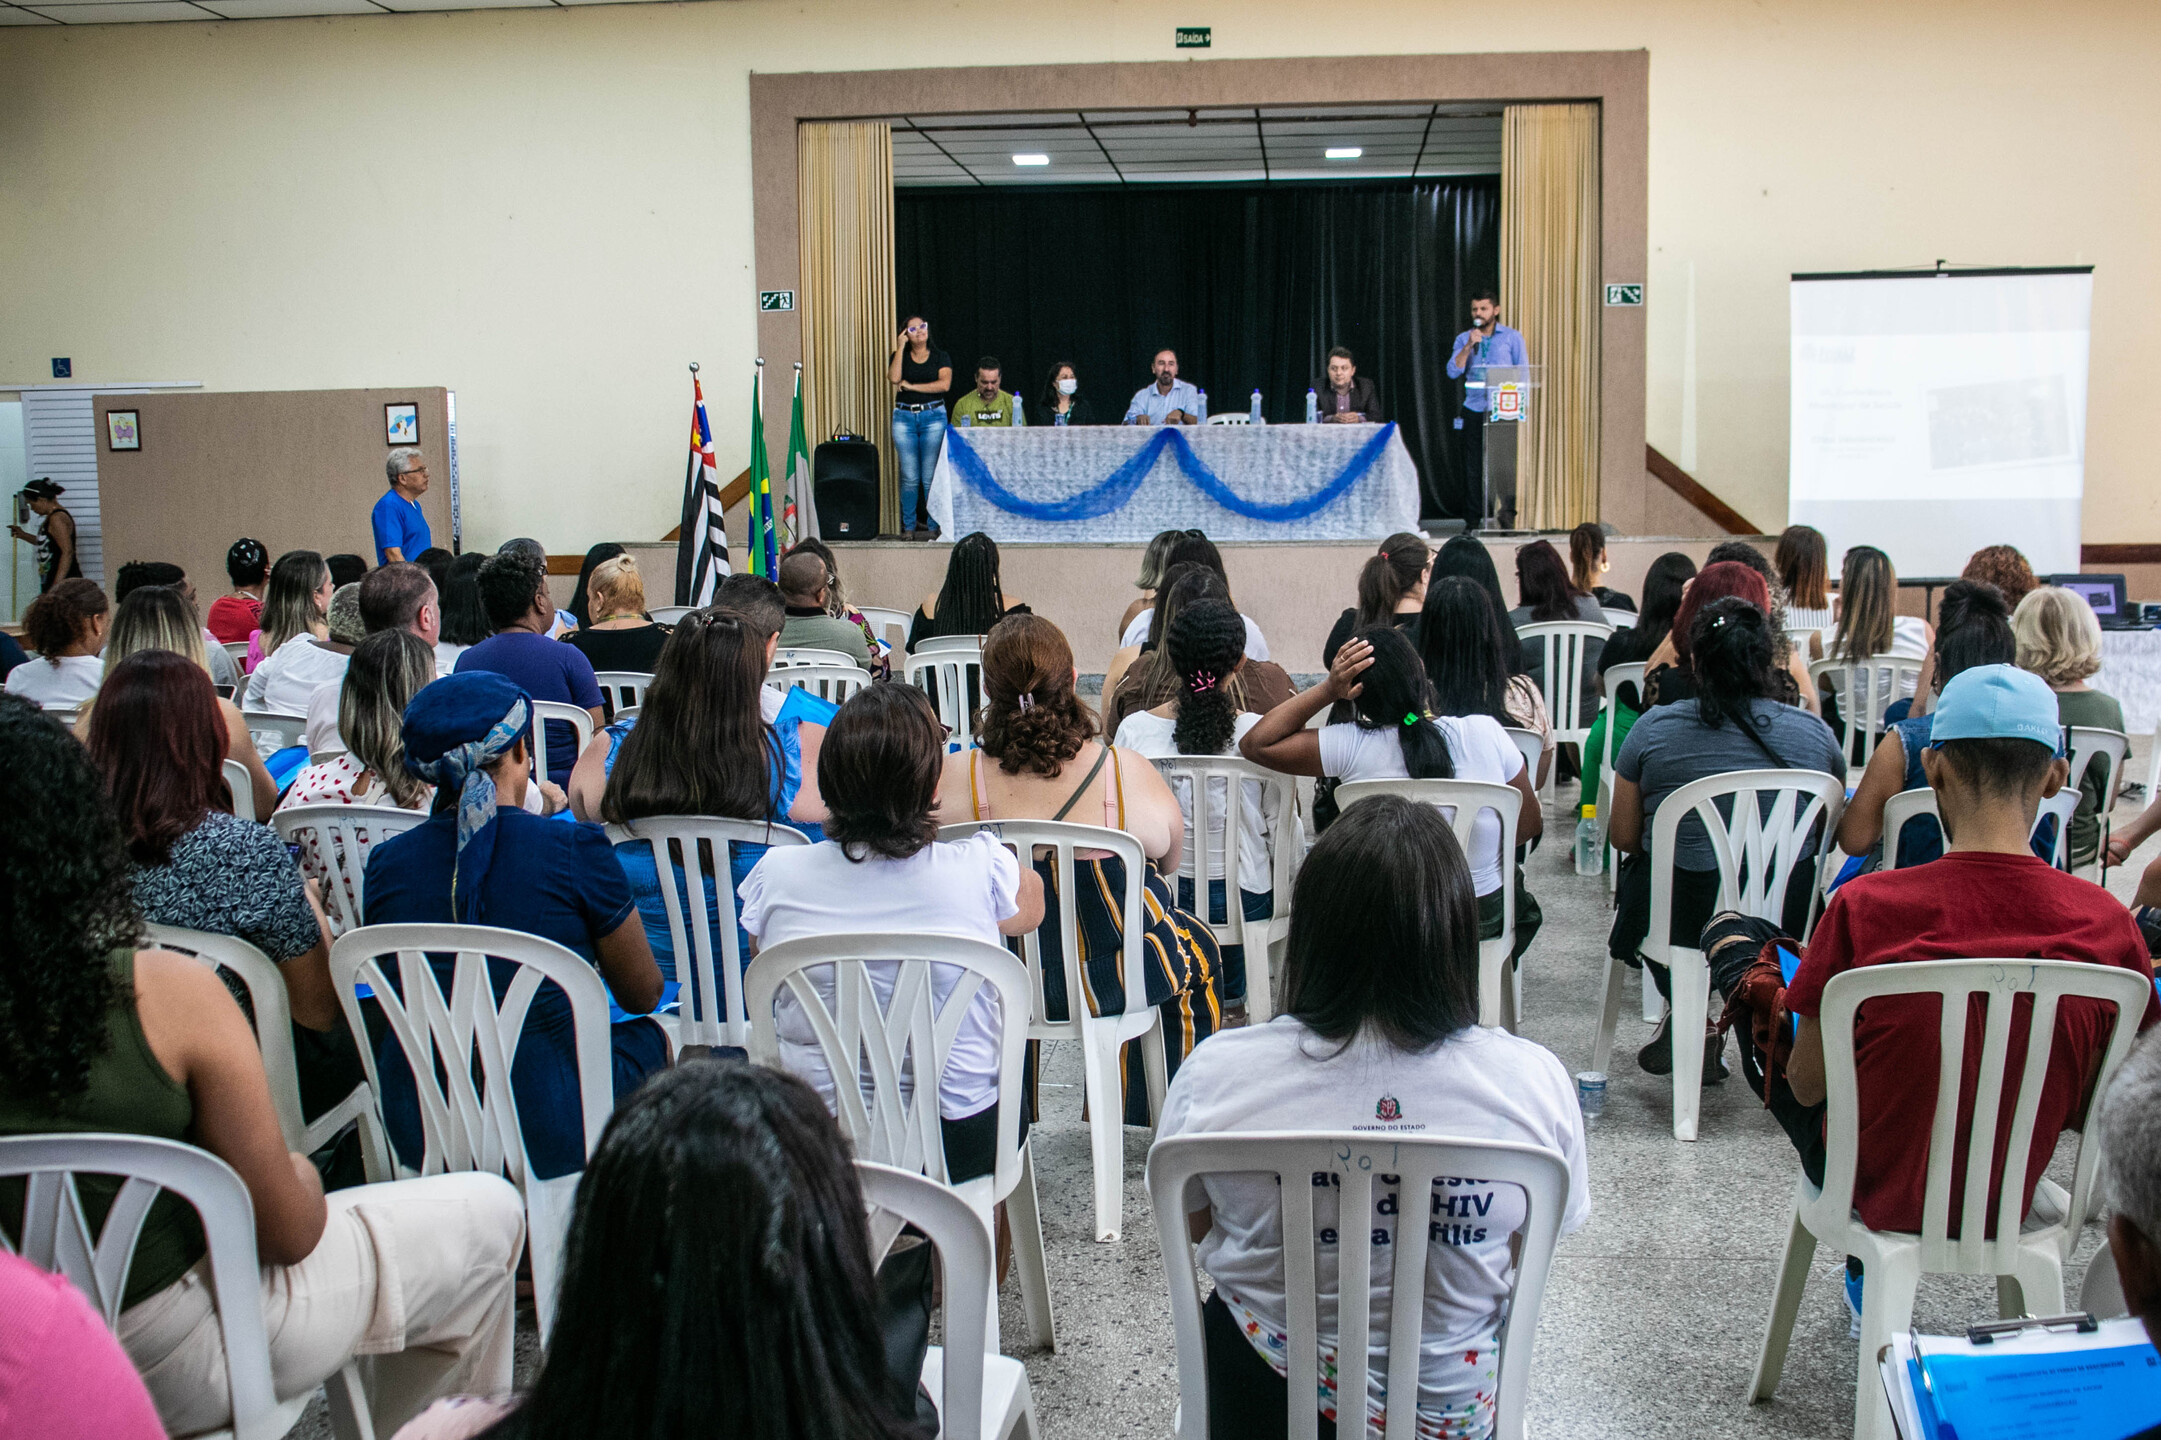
(1655, 1309)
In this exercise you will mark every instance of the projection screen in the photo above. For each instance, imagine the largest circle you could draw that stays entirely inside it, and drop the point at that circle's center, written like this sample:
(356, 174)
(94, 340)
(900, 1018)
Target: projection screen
(1936, 413)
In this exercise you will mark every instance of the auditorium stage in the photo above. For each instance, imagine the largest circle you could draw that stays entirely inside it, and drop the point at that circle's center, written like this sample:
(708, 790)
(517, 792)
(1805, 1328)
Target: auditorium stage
(1292, 590)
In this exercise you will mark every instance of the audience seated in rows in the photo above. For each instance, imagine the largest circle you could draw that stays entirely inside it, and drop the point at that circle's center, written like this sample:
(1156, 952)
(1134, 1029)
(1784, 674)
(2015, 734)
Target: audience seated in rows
(618, 635)
(1733, 720)
(767, 1324)
(972, 597)
(1192, 547)
(397, 596)
(1380, 1017)
(1974, 629)
(1471, 661)
(1869, 626)
(1035, 736)
(810, 626)
(1395, 735)
(1205, 652)
(1669, 673)
(837, 606)
(1587, 563)
(1784, 654)
(66, 627)
(514, 588)
(2060, 640)
(465, 618)
(235, 617)
(1664, 585)
(287, 682)
(481, 859)
(144, 574)
(1802, 566)
(104, 1036)
(1150, 679)
(881, 867)
(1391, 590)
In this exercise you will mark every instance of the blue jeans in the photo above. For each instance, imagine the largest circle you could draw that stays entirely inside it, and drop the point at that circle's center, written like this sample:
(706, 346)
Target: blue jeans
(917, 434)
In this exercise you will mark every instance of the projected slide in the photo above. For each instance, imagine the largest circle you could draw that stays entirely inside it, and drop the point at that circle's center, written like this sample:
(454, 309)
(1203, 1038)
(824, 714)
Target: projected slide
(1934, 414)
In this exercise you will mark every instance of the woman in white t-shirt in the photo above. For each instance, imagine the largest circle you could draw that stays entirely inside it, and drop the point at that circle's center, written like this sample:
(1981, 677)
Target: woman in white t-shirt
(1206, 647)
(1380, 1012)
(1868, 627)
(66, 626)
(1395, 735)
(881, 868)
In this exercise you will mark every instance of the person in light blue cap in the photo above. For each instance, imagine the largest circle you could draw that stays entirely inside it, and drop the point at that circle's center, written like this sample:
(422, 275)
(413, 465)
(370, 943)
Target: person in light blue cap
(480, 859)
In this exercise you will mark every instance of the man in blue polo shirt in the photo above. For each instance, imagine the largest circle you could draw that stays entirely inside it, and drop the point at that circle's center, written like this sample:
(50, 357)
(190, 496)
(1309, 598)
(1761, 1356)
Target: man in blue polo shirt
(401, 531)
(1487, 342)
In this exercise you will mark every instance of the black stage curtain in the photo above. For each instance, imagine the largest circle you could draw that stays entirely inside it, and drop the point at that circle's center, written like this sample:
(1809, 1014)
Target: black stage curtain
(1250, 285)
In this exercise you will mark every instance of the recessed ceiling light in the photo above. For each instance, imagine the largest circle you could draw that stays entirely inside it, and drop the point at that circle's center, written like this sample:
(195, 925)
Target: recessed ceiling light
(1344, 152)
(1031, 159)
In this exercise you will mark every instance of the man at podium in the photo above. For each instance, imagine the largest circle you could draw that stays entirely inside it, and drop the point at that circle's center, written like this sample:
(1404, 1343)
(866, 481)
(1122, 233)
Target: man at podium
(1487, 343)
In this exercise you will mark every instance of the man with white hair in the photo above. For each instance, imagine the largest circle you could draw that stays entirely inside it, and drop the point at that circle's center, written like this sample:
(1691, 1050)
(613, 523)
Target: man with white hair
(401, 531)
(2131, 1141)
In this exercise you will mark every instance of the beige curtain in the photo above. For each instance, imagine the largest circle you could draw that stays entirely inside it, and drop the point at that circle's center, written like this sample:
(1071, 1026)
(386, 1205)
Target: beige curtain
(1550, 291)
(844, 200)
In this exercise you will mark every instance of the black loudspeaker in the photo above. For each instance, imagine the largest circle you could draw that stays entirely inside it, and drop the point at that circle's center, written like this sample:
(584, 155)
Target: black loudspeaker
(844, 482)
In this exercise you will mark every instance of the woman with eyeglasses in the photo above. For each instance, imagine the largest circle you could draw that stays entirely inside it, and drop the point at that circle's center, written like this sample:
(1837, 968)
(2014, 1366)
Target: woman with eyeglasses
(921, 376)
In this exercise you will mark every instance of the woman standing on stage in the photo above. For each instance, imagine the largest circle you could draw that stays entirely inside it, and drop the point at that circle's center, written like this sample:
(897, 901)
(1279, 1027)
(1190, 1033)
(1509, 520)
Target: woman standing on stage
(921, 375)
(57, 560)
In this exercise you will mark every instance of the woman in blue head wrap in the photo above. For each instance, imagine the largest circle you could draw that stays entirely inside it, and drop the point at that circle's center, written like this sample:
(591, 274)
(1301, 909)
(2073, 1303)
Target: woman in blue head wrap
(482, 860)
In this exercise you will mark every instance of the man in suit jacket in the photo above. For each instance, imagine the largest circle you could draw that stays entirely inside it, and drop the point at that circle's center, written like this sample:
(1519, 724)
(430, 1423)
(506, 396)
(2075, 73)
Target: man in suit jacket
(1347, 398)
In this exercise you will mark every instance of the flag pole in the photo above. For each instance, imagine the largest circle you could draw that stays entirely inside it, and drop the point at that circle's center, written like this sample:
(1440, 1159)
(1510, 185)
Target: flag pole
(685, 545)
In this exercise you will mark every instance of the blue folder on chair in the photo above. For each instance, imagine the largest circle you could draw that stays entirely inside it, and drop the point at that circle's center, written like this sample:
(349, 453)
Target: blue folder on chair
(2105, 1384)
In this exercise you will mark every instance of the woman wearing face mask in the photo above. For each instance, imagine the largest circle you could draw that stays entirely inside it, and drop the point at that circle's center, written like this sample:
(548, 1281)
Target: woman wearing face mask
(1062, 400)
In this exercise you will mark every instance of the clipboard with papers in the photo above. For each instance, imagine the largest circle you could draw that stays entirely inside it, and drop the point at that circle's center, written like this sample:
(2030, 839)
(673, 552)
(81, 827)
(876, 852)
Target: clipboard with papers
(2024, 1380)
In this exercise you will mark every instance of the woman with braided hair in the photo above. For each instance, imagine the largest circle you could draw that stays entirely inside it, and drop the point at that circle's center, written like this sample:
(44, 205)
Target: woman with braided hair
(1206, 649)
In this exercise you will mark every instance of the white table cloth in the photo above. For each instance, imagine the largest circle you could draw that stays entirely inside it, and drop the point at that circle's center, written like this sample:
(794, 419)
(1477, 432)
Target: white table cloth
(2131, 671)
(1109, 483)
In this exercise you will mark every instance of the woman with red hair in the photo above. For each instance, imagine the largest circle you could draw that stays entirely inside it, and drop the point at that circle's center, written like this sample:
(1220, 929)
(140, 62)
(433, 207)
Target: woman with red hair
(1669, 673)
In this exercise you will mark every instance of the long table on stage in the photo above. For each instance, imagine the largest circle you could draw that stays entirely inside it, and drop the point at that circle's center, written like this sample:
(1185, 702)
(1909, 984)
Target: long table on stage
(1111, 483)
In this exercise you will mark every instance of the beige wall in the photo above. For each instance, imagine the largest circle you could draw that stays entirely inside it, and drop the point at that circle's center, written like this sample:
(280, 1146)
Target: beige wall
(548, 210)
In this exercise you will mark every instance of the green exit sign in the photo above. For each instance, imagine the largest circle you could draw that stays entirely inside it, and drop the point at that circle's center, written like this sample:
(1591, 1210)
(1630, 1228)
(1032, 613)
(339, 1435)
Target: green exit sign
(1194, 37)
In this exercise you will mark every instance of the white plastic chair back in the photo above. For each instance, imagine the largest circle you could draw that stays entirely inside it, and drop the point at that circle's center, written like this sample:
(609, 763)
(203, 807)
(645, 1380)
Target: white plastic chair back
(1235, 417)
(1350, 1163)
(1619, 619)
(1866, 688)
(458, 1045)
(669, 614)
(242, 784)
(237, 652)
(1463, 802)
(576, 716)
(944, 668)
(1797, 637)
(2031, 1254)
(831, 683)
(274, 1037)
(343, 836)
(273, 732)
(884, 622)
(711, 997)
(793, 657)
(1921, 800)
(622, 689)
(2092, 745)
(1533, 748)
(56, 1237)
(1212, 790)
(1757, 855)
(1565, 643)
(1101, 1037)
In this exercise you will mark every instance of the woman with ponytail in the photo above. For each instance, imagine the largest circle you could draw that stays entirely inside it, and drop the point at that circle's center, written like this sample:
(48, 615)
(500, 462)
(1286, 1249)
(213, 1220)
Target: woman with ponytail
(1393, 734)
(1587, 564)
(1735, 720)
(1206, 650)
(1391, 588)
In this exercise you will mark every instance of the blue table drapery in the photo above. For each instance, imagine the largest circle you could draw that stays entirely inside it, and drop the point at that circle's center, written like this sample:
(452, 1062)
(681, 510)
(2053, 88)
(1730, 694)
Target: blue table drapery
(1106, 484)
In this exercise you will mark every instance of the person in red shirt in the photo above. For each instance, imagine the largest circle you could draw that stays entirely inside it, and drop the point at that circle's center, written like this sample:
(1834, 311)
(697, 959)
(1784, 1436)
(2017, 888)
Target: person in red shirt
(1993, 756)
(233, 618)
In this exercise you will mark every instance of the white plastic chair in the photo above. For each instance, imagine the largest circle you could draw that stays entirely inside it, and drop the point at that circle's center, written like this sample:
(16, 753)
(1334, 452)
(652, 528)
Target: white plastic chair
(1921, 800)
(832, 683)
(1101, 1037)
(711, 998)
(2027, 1262)
(1533, 746)
(1352, 1161)
(898, 1045)
(1235, 417)
(1757, 854)
(237, 652)
(2091, 744)
(459, 1048)
(56, 1237)
(242, 784)
(669, 614)
(1797, 637)
(273, 732)
(789, 657)
(1619, 619)
(1500, 985)
(1212, 790)
(1866, 688)
(622, 689)
(342, 837)
(980, 1395)
(944, 667)
(576, 716)
(259, 976)
(1615, 677)
(884, 622)
(1566, 644)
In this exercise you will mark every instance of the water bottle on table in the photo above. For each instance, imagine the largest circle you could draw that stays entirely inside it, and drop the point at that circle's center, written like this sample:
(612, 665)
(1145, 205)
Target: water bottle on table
(1202, 416)
(1313, 407)
(1253, 415)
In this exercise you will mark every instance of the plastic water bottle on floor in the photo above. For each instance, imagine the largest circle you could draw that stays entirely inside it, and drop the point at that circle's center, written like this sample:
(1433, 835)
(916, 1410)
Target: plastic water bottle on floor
(1202, 416)
(1253, 415)
(1588, 860)
(1313, 407)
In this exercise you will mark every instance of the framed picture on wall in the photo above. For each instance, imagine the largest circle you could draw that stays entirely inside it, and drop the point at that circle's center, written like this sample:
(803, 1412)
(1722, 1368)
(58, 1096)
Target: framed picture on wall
(123, 431)
(401, 424)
